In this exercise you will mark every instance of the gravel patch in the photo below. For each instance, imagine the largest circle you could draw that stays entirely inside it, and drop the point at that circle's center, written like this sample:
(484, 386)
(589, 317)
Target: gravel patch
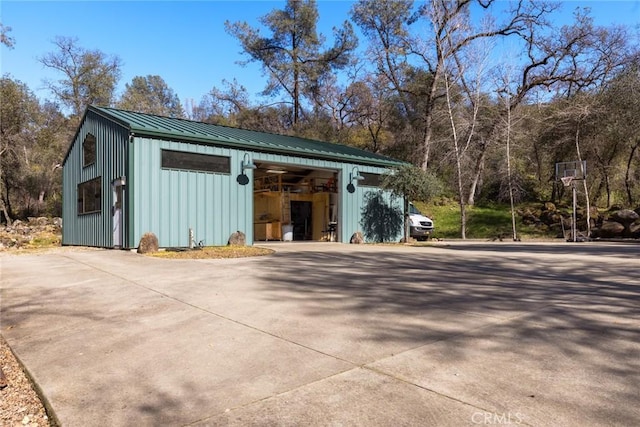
(20, 405)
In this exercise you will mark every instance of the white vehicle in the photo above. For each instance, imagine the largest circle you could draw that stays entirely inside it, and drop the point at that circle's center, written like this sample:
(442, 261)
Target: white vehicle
(420, 226)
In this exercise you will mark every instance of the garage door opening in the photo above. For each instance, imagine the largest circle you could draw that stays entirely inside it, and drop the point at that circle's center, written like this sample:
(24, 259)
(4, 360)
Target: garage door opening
(294, 203)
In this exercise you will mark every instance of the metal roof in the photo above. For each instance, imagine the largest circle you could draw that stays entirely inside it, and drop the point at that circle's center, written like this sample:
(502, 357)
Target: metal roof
(141, 124)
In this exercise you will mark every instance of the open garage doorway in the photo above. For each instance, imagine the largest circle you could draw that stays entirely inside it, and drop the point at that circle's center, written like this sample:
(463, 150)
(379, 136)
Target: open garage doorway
(302, 220)
(294, 203)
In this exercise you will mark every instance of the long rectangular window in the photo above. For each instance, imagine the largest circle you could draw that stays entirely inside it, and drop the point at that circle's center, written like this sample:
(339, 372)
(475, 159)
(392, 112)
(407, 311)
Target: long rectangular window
(370, 180)
(195, 162)
(90, 196)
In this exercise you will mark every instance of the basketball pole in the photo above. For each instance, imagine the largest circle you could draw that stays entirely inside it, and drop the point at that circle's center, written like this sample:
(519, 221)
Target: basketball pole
(575, 217)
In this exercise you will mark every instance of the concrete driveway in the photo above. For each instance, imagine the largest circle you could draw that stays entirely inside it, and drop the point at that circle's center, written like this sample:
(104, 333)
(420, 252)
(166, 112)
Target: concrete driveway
(328, 334)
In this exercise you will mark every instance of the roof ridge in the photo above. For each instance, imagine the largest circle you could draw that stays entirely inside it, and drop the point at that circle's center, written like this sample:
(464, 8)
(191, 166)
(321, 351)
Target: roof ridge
(157, 125)
(204, 123)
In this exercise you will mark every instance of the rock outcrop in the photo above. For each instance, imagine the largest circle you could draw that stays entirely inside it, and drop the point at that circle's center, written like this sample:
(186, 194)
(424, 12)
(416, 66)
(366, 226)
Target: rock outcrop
(615, 223)
(36, 231)
(623, 223)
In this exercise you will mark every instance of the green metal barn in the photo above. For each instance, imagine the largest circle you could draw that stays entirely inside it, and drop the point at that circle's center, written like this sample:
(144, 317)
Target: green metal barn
(188, 182)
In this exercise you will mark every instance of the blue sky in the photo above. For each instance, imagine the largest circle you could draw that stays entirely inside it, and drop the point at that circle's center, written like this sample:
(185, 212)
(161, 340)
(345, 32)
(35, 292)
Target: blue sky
(183, 42)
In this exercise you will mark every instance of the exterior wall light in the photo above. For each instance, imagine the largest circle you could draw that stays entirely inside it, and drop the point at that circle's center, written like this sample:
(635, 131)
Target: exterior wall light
(246, 163)
(354, 176)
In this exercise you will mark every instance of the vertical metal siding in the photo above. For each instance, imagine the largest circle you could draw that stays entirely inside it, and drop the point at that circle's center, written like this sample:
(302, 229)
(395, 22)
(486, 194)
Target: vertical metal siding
(353, 203)
(168, 202)
(93, 229)
(350, 205)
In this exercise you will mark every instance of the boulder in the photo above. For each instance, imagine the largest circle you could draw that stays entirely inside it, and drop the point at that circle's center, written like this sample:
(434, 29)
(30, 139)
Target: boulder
(148, 244)
(237, 239)
(42, 221)
(609, 229)
(626, 217)
(356, 238)
(551, 217)
(529, 218)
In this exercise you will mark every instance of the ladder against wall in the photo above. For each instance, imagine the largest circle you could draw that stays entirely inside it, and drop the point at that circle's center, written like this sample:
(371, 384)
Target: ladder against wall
(286, 207)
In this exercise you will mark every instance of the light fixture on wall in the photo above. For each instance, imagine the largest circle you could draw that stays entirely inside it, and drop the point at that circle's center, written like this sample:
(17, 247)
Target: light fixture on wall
(246, 163)
(354, 176)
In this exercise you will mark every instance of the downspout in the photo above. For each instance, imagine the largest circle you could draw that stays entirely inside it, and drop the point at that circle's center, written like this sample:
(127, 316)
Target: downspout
(128, 199)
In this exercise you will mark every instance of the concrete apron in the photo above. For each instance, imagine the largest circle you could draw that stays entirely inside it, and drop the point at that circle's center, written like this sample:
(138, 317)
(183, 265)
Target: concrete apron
(332, 334)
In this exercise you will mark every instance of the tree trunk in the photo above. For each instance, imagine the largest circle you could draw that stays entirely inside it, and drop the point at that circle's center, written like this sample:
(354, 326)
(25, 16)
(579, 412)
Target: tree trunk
(627, 179)
(7, 217)
(406, 220)
(477, 176)
(428, 118)
(584, 181)
(513, 210)
(6, 201)
(608, 189)
(463, 220)
(296, 94)
(426, 145)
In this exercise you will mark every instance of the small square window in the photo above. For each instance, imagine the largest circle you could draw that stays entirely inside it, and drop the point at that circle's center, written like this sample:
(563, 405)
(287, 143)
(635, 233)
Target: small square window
(90, 196)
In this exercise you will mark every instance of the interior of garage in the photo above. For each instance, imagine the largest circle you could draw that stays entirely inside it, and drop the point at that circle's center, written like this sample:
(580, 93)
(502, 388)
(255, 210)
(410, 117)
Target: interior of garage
(294, 203)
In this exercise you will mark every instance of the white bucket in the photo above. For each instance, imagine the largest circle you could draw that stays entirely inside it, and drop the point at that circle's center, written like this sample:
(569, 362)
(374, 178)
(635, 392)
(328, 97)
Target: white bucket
(287, 233)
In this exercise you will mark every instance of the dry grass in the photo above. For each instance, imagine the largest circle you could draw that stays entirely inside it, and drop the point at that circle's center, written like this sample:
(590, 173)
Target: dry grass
(45, 240)
(28, 243)
(213, 252)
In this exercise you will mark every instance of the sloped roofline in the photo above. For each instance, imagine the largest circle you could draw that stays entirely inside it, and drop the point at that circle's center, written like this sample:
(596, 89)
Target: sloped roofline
(142, 124)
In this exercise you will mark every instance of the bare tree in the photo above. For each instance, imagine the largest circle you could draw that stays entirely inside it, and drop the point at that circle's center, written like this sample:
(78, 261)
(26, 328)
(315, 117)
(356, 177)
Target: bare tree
(89, 76)
(5, 38)
(465, 68)
(450, 30)
(620, 122)
(568, 60)
(151, 94)
(367, 108)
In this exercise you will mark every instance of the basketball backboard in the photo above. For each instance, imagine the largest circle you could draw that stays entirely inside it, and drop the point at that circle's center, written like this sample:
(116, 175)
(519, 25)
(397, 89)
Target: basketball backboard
(576, 169)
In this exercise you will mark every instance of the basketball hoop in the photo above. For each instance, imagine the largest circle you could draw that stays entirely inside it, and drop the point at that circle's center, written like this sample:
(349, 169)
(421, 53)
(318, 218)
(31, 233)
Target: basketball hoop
(567, 180)
(568, 172)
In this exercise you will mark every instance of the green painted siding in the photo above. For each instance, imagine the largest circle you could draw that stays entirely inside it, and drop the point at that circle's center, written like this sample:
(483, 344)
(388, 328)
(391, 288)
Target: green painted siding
(353, 203)
(93, 229)
(350, 204)
(167, 202)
